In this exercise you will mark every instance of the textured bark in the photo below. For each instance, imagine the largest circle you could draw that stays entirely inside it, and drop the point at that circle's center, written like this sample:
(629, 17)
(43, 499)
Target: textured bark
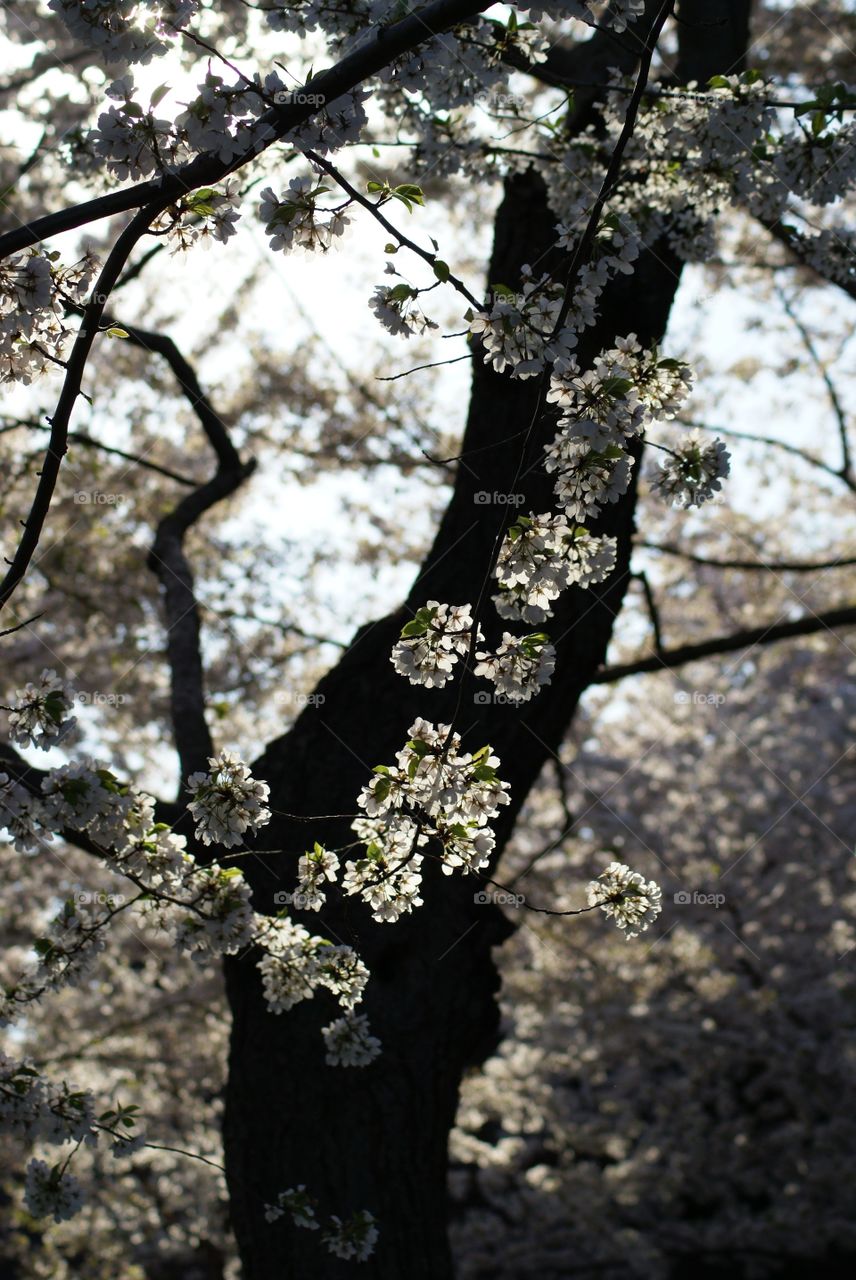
(376, 1138)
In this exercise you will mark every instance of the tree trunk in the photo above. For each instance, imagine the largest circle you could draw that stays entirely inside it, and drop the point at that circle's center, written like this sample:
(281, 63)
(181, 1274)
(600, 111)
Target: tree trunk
(376, 1138)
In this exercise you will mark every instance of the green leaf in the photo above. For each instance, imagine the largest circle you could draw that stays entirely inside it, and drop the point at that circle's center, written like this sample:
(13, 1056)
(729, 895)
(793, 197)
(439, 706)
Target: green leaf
(116, 332)
(441, 270)
(159, 94)
(409, 191)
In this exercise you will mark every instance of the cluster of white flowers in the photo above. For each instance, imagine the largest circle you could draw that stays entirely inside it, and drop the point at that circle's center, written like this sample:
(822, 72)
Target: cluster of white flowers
(34, 1108)
(517, 329)
(520, 666)
(50, 1191)
(221, 922)
(228, 802)
(352, 1239)
(432, 643)
(626, 390)
(204, 216)
(69, 949)
(542, 555)
(33, 290)
(314, 868)
(293, 220)
(221, 118)
(586, 477)
(39, 716)
(394, 307)
(295, 1202)
(818, 167)
(389, 877)
(133, 142)
(340, 123)
(37, 1109)
(626, 896)
(616, 13)
(126, 30)
(434, 791)
(349, 1043)
(693, 472)
(295, 964)
(21, 815)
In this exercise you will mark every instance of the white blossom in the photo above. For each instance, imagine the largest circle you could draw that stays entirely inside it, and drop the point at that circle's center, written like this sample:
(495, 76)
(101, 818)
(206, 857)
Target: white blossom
(693, 471)
(297, 1204)
(354, 1239)
(228, 803)
(394, 306)
(313, 869)
(294, 220)
(520, 666)
(50, 1192)
(432, 643)
(348, 1042)
(626, 896)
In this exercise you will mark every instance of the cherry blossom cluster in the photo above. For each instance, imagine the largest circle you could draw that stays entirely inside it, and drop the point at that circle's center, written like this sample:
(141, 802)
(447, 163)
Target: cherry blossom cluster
(39, 716)
(626, 897)
(51, 1191)
(616, 13)
(434, 792)
(293, 220)
(542, 555)
(519, 667)
(296, 964)
(517, 330)
(431, 644)
(37, 1109)
(693, 471)
(228, 803)
(33, 290)
(201, 218)
(126, 30)
(352, 1239)
(132, 141)
(396, 309)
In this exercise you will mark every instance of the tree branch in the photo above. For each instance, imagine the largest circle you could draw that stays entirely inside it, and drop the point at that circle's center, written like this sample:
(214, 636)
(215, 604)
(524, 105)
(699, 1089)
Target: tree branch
(653, 611)
(846, 471)
(781, 566)
(389, 43)
(81, 437)
(58, 445)
(768, 634)
(169, 561)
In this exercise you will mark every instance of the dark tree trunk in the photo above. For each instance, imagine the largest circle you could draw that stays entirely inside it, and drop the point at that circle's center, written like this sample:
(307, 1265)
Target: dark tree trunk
(376, 1138)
